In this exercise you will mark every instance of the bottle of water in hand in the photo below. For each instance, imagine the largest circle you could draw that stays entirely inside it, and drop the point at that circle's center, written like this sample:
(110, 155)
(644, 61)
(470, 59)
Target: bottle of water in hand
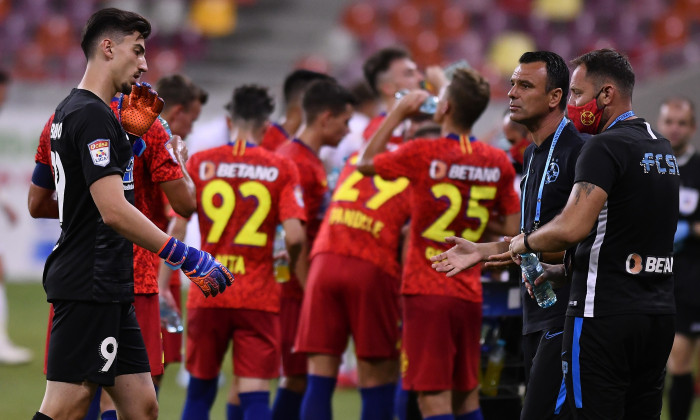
(169, 318)
(532, 269)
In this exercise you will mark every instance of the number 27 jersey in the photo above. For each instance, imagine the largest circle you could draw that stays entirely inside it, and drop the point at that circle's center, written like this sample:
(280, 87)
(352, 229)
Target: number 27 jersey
(243, 193)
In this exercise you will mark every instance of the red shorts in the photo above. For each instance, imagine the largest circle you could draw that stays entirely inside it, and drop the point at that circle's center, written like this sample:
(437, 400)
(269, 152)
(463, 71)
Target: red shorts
(360, 299)
(440, 343)
(172, 342)
(293, 363)
(255, 335)
(148, 316)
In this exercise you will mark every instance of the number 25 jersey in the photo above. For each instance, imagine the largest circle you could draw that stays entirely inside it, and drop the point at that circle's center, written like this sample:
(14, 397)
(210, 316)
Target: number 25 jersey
(243, 193)
(456, 185)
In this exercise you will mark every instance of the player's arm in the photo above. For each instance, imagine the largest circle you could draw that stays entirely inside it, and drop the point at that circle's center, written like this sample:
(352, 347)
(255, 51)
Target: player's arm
(570, 227)
(116, 212)
(177, 228)
(465, 254)
(407, 106)
(507, 225)
(41, 199)
(297, 248)
(180, 192)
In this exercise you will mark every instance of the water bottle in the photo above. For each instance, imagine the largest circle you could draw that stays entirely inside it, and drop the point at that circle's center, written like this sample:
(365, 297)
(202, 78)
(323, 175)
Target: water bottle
(493, 369)
(281, 266)
(428, 107)
(169, 317)
(532, 269)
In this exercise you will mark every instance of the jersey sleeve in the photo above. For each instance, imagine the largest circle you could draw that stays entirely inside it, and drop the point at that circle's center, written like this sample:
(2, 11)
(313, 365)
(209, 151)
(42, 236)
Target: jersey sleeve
(43, 151)
(291, 197)
(401, 161)
(598, 164)
(159, 160)
(96, 141)
(508, 202)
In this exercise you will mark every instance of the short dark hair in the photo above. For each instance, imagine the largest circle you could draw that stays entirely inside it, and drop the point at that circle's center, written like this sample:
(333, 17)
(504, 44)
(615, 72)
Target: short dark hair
(178, 89)
(116, 22)
(557, 72)
(379, 62)
(362, 92)
(469, 94)
(681, 100)
(251, 103)
(325, 95)
(297, 81)
(607, 64)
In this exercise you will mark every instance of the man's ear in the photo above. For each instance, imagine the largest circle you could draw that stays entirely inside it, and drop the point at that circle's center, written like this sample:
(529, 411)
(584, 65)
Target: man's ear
(609, 92)
(106, 46)
(555, 97)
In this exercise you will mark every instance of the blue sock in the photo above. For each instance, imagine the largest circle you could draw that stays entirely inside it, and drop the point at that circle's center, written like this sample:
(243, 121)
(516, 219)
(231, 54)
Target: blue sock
(234, 412)
(200, 397)
(255, 405)
(401, 402)
(287, 405)
(157, 389)
(378, 402)
(109, 415)
(440, 417)
(94, 410)
(317, 398)
(472, 415)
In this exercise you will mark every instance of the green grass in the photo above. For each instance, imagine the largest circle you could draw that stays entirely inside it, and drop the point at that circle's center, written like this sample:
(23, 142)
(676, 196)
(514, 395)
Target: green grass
(22, 387)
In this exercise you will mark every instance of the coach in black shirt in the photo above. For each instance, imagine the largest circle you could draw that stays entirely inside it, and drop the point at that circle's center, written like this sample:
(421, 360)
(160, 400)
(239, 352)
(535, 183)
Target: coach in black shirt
(623, 210)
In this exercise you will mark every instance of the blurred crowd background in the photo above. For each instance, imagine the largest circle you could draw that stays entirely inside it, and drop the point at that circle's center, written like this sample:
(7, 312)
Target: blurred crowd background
(224, 43)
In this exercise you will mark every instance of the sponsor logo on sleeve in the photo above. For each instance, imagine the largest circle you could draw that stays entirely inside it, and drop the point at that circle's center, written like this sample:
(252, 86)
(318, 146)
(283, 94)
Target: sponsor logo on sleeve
(99, 152)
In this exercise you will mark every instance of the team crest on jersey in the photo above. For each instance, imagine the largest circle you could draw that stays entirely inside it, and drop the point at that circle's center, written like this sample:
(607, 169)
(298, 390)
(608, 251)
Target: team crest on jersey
(552, 173)
(129, 175)
(99, 152)
(688, 200)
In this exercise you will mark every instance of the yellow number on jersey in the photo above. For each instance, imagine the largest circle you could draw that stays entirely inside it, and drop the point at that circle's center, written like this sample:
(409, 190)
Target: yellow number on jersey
(385, 190)
(438, 231)
(221, 214)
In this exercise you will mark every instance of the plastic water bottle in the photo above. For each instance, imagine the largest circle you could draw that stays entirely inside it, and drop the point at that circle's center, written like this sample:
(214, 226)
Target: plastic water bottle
(428, 107)
(169, 317)
(492, 377)
(532, 269)
(281, 265)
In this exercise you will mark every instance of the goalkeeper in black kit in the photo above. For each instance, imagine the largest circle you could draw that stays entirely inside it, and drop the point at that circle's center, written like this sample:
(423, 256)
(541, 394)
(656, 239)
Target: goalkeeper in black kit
(95, 339)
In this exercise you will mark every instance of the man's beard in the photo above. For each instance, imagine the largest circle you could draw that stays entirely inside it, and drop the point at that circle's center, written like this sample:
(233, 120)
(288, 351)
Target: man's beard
(125, 88)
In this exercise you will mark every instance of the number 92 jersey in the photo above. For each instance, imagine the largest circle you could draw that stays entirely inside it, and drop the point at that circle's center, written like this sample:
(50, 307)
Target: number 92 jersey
(455, 190)
(243, 193)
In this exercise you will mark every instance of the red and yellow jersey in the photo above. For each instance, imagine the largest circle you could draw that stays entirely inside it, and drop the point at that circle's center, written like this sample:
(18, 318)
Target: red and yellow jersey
(365, 218)
(243, 193)
(312, 176)
(274, 137)
(456, 186)
(373, 126)
(156, 165)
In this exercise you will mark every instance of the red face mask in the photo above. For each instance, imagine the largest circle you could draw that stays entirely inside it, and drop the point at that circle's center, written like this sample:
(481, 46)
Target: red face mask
(586, 117)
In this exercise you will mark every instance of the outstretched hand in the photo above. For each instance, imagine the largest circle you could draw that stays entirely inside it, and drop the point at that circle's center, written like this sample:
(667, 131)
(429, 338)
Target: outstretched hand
(463, 255)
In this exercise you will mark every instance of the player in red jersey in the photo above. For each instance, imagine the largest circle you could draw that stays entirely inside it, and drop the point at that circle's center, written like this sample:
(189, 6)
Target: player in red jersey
(361, 233)
(457, 184)
(293, 90)
(327, 109)
(243, 193)
(157, 171)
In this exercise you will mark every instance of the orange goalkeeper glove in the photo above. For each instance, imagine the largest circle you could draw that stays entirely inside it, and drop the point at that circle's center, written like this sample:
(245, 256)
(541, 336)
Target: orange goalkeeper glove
(140, 109)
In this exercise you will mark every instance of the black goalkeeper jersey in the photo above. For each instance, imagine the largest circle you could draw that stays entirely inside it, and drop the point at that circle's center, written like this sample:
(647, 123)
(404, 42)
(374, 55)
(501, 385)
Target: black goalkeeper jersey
(90, 262)
(688, 251)
(559, 180)
(625, 266)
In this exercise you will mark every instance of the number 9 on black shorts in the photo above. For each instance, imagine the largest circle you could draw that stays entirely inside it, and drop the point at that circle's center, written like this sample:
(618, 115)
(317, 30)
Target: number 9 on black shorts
(94, 342)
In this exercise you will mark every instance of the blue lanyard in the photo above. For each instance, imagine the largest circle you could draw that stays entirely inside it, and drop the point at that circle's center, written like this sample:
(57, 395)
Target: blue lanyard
(621, 117)
(538, 207)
